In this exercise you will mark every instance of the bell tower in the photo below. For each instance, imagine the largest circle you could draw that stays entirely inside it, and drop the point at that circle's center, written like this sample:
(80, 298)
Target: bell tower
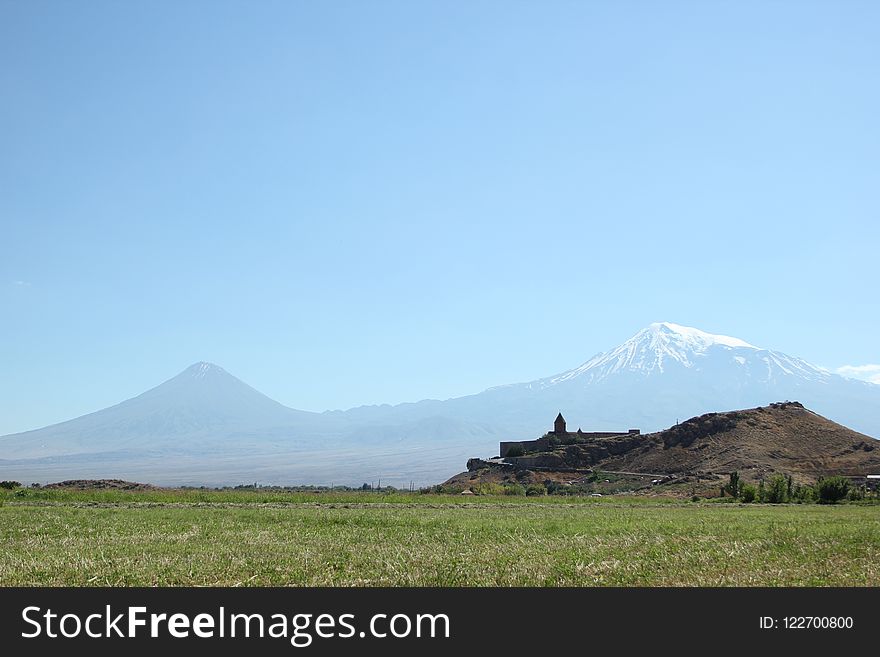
(559, 425)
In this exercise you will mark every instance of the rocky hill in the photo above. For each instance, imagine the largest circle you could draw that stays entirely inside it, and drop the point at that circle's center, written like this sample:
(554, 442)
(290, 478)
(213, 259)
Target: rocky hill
(782, 437)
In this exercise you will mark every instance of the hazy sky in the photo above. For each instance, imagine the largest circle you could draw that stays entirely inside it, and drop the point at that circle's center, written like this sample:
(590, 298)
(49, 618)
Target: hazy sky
(361, 202)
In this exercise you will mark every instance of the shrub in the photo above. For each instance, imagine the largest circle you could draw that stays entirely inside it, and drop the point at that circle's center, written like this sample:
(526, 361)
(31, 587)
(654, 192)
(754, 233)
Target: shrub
(516, 450)
(747, 493)
(488, 488)
(803, 494)
(832, 489)
(9, 485)
(856, 493)
(535, 490)
(514, 489)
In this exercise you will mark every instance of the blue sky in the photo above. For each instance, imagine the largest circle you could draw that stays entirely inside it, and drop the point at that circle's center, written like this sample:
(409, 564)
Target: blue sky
(349, 202)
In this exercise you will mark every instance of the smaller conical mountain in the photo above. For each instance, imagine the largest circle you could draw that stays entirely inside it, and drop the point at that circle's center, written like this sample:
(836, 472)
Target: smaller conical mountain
(204, 404)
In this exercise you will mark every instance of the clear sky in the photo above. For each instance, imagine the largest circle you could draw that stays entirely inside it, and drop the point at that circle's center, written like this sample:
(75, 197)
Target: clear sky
(362, 202)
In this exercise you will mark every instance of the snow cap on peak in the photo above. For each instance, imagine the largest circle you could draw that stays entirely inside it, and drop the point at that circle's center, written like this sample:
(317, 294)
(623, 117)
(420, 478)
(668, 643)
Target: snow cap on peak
(696, 336)
(202, 369)
(651, 349)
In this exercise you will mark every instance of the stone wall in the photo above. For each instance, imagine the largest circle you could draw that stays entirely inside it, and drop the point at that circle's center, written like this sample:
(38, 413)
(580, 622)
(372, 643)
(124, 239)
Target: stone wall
(542, 444)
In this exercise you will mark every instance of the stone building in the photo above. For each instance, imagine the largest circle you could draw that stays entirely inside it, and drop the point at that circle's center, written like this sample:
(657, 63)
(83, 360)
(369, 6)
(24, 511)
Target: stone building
(559, 436)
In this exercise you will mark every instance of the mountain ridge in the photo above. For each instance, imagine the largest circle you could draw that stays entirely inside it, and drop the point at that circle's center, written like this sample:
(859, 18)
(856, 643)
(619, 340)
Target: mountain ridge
(214, 422)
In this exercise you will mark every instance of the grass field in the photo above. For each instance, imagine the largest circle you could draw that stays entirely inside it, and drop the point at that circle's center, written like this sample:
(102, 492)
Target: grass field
(167, 538)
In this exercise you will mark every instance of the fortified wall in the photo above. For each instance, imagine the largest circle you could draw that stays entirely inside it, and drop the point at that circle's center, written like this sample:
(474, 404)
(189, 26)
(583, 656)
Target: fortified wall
(559, 436)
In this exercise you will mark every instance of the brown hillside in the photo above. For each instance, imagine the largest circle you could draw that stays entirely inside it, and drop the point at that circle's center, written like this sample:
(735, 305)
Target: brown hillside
(784, 437)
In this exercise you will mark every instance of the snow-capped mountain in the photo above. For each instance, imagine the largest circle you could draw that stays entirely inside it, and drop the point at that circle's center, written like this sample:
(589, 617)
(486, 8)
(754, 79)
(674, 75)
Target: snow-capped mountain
(667, 372)
(664, 345)
(205, 426)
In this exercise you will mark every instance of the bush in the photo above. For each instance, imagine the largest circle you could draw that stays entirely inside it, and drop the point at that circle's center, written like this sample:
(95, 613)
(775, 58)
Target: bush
(535, 490)
(514, 489)
(747, 493)
(856, 494)
(10, 485)
(516, 450)
(832, 489)
(488, 488)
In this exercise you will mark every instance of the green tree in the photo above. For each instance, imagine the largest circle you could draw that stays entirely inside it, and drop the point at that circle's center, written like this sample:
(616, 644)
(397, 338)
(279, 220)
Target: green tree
(832, 489)
(777, 490)
(747, 493)
(804, 494)
(734, 484)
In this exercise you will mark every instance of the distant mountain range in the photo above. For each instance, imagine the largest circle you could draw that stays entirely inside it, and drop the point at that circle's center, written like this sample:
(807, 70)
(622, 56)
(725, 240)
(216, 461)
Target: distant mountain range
(206, 427)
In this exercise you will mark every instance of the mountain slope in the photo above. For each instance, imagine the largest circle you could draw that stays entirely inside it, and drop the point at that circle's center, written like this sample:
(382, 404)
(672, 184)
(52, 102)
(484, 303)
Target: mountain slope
(663, 373)
(196, 409)
(783, 438)
(666, 372)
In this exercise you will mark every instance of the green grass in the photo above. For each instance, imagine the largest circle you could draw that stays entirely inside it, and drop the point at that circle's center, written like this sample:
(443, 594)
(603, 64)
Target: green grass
(275, 496)
(168, 538)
